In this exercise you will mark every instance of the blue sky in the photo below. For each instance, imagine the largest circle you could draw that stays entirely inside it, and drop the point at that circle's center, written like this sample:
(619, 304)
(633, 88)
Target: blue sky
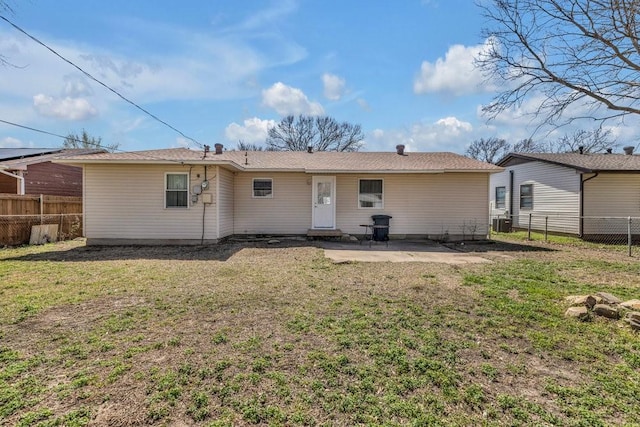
(224, 71)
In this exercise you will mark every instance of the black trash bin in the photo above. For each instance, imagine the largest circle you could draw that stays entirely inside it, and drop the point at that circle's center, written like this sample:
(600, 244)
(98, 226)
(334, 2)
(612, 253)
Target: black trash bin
(381, 233)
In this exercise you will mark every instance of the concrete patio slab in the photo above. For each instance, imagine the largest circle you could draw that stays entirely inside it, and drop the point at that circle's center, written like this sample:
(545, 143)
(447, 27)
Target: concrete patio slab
(397, 251)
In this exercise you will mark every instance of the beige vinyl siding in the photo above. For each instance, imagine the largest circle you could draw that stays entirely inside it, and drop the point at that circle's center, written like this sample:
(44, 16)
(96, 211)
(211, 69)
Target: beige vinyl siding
(556, 194)
(127, 202)
(225, 202)
(420, 204)
(611, 195)
(287, 212)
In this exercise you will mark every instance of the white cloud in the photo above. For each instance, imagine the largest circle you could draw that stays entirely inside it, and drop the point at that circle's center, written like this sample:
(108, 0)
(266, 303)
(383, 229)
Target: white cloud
(455, 74)
(10, 142)
(363, 104)
(378, 133)
(181, 142)
(446, 134)
(290, 100)
(333, 86)
(76, 86)
(64, 108)
(453, 126)
(252, 130)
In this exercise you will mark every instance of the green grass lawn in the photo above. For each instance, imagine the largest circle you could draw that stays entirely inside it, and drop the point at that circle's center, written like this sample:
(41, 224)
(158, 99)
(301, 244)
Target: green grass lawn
(280, 336)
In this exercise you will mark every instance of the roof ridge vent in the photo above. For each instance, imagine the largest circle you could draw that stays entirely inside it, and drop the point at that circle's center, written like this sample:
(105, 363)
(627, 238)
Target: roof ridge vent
(628, 150)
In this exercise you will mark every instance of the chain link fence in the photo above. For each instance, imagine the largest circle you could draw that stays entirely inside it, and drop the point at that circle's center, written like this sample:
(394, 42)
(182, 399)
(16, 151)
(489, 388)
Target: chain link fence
(17, 229)
(613, 231)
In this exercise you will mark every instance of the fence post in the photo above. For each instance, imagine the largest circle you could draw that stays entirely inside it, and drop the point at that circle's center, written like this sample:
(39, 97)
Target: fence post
(529, 228)
(60, 235)
(629, 235)
(41, 209)
(546, 227)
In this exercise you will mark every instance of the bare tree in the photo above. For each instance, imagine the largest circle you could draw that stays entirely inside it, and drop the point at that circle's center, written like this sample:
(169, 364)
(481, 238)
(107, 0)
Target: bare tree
(488, 150)
(86, 141)
(596, 141)
(245, 146)
(249, 146)
(583, 52)
(320, 133)
(528, 145)
(4, 8)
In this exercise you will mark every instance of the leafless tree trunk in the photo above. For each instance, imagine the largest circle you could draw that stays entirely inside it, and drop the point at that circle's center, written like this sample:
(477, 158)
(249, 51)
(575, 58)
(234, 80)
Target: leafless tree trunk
(569, 51)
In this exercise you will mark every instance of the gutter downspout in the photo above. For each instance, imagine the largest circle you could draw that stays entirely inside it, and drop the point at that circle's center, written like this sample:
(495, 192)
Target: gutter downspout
(20, 181)
(582, 181)
(511, 196)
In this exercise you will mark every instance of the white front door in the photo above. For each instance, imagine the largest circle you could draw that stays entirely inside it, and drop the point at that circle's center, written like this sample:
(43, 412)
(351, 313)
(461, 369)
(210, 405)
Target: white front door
(324, 202)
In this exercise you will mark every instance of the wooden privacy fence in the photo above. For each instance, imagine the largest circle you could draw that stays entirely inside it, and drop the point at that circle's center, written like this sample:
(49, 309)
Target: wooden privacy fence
(12, 204)
(19, 213)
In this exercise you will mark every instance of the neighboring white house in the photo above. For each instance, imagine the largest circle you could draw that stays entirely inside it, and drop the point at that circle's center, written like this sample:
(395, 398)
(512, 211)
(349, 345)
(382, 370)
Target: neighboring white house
(570, 189)
(184, 196)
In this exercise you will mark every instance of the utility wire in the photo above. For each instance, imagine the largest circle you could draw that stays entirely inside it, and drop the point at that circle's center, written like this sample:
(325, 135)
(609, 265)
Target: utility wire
(97, 145)
(100, 82)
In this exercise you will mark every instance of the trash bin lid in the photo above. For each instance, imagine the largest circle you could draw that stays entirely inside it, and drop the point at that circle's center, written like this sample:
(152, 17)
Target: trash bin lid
(374, 217)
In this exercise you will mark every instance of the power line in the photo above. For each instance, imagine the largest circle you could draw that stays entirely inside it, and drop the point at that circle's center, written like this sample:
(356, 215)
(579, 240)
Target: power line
(153, 116)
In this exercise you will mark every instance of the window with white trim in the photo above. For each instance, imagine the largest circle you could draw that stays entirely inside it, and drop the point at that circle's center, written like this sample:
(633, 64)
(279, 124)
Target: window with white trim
(501, 197)
(176, 190)
(370, 194)
(526, 196)
(263, 188)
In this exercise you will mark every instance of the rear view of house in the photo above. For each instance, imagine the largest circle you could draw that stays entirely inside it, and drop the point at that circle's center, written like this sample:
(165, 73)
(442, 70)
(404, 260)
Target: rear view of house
(587, 195)
(185, 196)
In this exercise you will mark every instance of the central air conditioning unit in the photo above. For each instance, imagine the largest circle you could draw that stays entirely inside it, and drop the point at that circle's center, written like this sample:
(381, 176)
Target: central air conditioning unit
(501, 225)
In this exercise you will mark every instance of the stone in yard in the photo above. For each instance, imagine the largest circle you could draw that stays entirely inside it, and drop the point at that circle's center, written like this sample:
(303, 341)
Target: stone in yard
(633, 316)
(591, 301)
(608, 298)
(579, 312)
(632, 304)
(273, 241)
(606, 310)
(634, 325)
(576, 299)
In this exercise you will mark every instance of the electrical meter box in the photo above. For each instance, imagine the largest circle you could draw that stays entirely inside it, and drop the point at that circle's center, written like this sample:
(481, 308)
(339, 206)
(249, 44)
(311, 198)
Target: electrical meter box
(207, 198)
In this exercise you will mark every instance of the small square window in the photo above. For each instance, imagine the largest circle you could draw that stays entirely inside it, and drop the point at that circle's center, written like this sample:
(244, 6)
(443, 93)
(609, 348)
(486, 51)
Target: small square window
(501, 196)
(263, 188)
(176, 190)
(370, 194)
(526, 196)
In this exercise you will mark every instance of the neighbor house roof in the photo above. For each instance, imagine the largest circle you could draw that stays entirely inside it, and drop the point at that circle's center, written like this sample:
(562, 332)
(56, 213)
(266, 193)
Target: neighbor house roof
(591, 162)
(17, 153)
(41, 155)
(317, 162)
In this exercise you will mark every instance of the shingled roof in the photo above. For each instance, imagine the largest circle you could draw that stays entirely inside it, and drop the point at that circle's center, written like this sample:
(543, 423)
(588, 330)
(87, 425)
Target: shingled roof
(591, 162)
(317, 162)
(41, 155)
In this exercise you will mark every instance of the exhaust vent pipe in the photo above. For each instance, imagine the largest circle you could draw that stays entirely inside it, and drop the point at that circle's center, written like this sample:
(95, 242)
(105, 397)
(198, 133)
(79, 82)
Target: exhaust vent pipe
(628, 150)
(400, 149)
(218, 148)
